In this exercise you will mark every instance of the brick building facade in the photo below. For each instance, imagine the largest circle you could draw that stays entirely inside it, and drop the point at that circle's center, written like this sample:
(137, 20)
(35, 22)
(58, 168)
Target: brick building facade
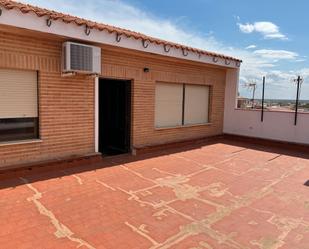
(67, 104)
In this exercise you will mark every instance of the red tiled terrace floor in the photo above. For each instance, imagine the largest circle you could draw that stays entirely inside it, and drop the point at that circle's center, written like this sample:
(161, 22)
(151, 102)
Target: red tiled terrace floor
(222, 195)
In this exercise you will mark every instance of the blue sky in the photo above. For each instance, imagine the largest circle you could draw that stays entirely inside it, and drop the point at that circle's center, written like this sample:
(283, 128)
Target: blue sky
(269, 36)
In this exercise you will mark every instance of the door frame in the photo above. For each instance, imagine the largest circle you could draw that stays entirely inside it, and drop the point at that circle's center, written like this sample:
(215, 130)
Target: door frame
(96, 111)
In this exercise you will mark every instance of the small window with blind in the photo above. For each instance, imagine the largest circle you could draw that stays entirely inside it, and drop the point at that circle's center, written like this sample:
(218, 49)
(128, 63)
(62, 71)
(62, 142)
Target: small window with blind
(181, 105)
(18, 105)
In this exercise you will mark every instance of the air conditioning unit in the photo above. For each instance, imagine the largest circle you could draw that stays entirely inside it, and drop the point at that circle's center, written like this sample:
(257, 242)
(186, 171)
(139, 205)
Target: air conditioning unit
(81, 58)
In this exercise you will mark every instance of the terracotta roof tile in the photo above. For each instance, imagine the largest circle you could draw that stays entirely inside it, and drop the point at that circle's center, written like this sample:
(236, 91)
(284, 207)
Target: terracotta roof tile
(53, 15)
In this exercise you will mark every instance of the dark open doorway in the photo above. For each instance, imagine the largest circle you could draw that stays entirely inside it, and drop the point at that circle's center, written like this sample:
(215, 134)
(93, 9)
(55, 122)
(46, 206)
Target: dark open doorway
(114, 116)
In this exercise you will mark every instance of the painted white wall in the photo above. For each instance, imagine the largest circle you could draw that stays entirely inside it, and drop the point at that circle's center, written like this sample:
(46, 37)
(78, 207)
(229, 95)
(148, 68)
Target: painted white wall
(276, 126)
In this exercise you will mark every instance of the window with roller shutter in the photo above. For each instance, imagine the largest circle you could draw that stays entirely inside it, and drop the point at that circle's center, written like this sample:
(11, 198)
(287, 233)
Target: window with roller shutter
(181, 105)
(18, 105)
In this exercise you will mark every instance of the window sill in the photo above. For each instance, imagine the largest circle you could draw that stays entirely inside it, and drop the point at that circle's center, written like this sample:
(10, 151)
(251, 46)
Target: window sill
(17, 142)
(181, 126)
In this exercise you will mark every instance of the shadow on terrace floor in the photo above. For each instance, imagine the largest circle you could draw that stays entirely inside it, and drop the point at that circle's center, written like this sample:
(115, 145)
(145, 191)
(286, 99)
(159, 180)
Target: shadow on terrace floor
(58, 170)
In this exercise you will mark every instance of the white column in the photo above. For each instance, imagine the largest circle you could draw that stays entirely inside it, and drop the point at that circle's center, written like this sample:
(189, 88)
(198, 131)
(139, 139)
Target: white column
(96, 114)
(231, 91)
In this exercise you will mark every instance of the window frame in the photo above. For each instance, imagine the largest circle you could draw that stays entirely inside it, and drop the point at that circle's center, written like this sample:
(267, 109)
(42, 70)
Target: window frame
(36, 120)
(185, 106)
(183, 125)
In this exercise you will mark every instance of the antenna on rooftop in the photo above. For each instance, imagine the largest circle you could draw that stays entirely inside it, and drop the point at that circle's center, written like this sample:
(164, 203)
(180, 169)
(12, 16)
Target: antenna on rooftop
(298, 81)
(252, 87)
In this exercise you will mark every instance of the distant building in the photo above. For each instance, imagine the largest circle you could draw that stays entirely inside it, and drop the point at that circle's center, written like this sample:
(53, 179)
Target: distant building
(242, 102)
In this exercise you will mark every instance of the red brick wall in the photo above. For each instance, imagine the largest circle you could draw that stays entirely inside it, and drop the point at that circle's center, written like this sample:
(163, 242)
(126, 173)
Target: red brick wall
(129, 65)
(67, 103)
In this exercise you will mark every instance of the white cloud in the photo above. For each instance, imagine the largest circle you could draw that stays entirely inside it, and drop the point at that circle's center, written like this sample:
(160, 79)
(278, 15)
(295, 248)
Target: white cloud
(300, 60)
(276, 36)
(269, 30)
(279, 84)
(276, 54)
(246, 28)
(251, 46)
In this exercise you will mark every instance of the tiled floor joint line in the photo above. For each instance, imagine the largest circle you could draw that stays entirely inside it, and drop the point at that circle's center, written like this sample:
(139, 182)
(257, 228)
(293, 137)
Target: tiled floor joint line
(61, 230)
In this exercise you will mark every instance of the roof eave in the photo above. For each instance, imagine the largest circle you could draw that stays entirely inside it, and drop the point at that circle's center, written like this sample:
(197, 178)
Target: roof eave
(26, 17)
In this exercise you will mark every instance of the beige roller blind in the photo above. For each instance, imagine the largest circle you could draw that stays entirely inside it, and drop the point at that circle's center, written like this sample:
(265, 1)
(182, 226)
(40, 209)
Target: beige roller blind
(168, 106)
(18, 93)
(196, 104)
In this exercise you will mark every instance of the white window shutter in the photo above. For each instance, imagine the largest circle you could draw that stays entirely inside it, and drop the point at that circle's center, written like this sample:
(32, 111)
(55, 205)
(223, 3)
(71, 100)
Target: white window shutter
(18, 94)
(196, 104)
(168, 105)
